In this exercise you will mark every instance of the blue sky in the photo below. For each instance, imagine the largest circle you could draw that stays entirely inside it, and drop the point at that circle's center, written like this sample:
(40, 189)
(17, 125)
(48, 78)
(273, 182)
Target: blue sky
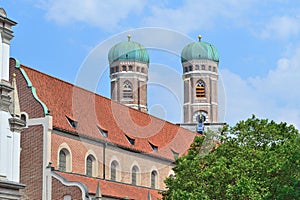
(258, 42)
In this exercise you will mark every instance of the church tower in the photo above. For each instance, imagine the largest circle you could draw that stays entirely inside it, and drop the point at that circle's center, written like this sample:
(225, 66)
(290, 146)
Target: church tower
(10, 118)
(129, 64)
(200, 75)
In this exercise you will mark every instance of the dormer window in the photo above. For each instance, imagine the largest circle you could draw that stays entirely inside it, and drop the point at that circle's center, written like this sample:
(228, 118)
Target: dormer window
(154, 147)
(72, 122)
(103, 132)
(130, 140)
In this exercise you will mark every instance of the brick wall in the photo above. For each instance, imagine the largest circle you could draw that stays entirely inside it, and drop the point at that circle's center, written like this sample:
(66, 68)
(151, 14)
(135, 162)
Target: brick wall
(31, 172)
(126, 160)
(31, 161)
(59, 191)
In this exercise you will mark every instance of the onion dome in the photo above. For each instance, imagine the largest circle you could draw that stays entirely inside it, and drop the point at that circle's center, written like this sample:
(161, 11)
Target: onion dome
(199, 51)
(128, 51)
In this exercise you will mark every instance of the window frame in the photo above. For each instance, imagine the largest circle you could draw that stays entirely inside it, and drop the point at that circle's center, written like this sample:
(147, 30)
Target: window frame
(127, 90)
(200, 90)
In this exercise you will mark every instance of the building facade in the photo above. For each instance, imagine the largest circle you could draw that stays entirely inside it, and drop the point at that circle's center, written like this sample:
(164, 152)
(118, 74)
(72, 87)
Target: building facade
(11, 123)
(79, 145)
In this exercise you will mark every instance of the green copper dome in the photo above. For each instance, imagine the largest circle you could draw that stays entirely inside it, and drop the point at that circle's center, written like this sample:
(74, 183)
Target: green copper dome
(199, 51)
(128, 51)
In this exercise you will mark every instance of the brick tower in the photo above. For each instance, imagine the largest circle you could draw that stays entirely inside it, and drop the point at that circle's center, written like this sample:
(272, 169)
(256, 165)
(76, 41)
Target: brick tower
(200, 75)
(129, 63)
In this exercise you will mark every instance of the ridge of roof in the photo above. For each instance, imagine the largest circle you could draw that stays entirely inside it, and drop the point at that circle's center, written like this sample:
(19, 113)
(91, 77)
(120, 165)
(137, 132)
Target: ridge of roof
(94, 110)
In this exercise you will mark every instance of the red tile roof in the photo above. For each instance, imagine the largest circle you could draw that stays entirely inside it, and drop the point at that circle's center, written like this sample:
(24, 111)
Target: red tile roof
(89, 110)
(110, 188)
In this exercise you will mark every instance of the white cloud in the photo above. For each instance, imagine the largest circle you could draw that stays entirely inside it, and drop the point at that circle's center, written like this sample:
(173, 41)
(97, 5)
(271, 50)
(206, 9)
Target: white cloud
(101, 13)
(189, 16)
(281, 27)
(195, 14)
(275, 96)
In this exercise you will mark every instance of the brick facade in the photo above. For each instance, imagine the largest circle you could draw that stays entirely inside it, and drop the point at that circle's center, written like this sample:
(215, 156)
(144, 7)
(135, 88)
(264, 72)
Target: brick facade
(59, 190)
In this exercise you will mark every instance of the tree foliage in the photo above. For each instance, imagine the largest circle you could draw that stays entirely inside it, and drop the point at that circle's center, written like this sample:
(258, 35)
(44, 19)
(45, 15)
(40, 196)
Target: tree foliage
(257, 159)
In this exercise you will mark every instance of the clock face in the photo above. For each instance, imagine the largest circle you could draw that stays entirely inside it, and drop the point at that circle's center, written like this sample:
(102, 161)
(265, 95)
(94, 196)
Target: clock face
(199, 113)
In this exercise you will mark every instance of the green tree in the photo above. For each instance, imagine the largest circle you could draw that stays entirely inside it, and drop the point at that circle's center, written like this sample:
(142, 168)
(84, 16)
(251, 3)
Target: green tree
(256, 159)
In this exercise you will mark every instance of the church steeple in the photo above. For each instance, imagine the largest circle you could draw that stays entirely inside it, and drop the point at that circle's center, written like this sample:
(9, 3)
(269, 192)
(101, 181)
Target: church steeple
(200, 74)
(129, 63)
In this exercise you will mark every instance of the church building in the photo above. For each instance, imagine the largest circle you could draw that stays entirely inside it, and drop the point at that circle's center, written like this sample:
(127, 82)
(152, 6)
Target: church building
(71, 143)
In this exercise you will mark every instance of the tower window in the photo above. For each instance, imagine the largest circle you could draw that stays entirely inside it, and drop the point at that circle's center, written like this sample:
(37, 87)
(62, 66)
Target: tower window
(127, 90)
(153, 179)
(185, 69)
(197, 67)
(203, 67)
(117, 68)
(209, 68)
(214, 69)
(130, 68)
(143, 70)
(138, 69)
(124, 68)
(190, 68)
(200, 89)
(112, 70)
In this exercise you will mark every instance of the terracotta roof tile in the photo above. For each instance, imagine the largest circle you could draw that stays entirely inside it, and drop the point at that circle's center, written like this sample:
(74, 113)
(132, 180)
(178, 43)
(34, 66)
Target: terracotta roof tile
(110, 188)
(89, 110)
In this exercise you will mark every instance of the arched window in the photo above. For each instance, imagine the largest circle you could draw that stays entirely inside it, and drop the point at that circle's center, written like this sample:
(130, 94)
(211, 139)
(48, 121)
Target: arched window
(143, 70)
(209, 68)
(190, 68)
(153, 179)
(134, 175)
(130, 68)
(196, 67)
(200, 89)
(138, 69)
(63, 160)
(113, 170)
(127, 90)
(203, 67)
(124, 68)
(90, 166)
